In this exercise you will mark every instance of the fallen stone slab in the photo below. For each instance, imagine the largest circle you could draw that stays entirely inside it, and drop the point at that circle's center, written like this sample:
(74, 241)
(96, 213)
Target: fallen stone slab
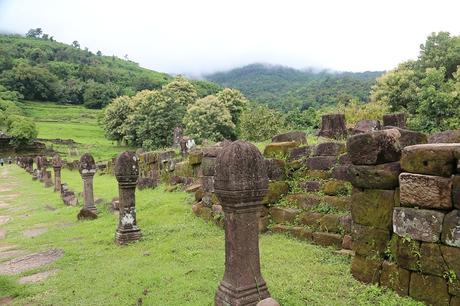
(2, 234)
(9, 254)
(297, 136)
(383, 176)
(321, 162)
(426, 191)
(37, 277)
(449, 136)
(279, 149)
(4, 219)
(34, 232)
(329, 149)
(30, 262)
(419, 224)
(409, 138)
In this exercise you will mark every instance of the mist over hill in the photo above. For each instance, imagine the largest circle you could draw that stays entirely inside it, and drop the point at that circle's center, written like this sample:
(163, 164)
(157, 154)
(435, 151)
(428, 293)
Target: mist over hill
(288, 88)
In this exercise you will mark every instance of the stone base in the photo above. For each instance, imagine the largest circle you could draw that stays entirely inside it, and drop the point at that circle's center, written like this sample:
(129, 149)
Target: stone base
(127, 236)
(228, 295)
(86, 214)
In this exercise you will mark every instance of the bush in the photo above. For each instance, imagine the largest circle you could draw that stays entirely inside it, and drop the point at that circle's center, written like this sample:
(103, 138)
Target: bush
(260, 123)
(21, 129)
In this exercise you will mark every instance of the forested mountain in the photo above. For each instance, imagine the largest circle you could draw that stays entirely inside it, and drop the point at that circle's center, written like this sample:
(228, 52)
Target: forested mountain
(40, 68)
(287, 88)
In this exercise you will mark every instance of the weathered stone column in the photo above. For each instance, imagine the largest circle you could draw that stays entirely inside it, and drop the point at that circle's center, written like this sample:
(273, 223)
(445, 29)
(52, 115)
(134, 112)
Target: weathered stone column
(241, 182)
(127, 173)
(333, 126)
(57, 165)
(87, 171)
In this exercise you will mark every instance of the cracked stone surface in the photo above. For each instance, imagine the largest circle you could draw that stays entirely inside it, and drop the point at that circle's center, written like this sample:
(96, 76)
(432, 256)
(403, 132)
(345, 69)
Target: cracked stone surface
(37, 277)
(29, 262)
(34, 232)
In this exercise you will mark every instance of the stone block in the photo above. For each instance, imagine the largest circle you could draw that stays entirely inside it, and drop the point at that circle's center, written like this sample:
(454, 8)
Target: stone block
(375, 147)
(333, 188)
(383, 176)
(426, 191)
(281, 228)
(340, 203)
(321, 162)
(395, 278)
(451, 229)
(279, 149)
(456, 190)
(263, 224)
(455, 301)
(347, 242)
(419, 224)
(452, 257)
(346, 223)
(208, 165)
(340, 172)
(449, 136)
(366, 270)
(408, 254)
(330, 223)
(409, 138)
(431, 260)
(344, 159)
(369, 241)
(303, 201)
(302, 233)
(454, 288)
(297, 136)
(373, 207)
(310, 186)
(327, 239)
(183, 169)
(276, 169)
(207, 183)
(316, 174)
(284, 214)
(310, 218)
(329, 149)
(365, 126)
(195, 157)
(300, 153)
(429, 289)
(276, 190)
(431, 159)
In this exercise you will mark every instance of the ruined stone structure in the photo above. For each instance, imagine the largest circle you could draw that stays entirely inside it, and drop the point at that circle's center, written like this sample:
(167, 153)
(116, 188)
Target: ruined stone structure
(241, 183)
(127, 173)
(333, 126)
(87, 171)
(395, 120)
(405, 213)
(57, 166)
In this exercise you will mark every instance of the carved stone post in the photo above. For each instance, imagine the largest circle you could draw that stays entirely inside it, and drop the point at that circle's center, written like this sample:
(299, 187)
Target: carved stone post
(57, 165)
(241, 182)
(127, 173)
(38, 162)
(333, 126)
(87, 171)
(395, 119)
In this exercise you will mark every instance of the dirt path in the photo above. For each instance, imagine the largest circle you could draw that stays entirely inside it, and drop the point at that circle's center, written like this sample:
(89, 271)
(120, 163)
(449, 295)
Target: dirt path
(14, 260)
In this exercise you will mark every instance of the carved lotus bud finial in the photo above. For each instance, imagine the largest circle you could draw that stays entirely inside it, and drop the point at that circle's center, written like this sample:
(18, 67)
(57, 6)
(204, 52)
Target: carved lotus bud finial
(127, 167)
(87, 164)
(57, 162)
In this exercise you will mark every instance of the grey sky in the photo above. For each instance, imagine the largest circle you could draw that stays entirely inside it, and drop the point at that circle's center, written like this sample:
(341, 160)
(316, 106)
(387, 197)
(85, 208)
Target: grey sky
(201, 36)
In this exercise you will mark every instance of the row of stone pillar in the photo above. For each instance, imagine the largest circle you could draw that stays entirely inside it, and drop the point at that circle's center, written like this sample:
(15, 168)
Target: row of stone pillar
(241, 182)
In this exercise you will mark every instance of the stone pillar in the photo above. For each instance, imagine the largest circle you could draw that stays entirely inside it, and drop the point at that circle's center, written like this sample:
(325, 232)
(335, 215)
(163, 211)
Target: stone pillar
(333, 126)
(241, 182)
(127, 173)
(87, 171)
(57, 165)
(38, 162)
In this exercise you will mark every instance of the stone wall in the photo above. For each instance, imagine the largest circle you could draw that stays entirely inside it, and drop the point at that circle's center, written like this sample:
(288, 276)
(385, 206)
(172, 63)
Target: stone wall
(405, 214)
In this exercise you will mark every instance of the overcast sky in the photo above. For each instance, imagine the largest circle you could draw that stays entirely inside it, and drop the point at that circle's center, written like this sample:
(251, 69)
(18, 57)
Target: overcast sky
(201, 36)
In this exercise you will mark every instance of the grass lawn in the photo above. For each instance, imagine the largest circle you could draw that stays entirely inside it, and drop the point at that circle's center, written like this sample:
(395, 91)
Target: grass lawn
(179, 261)
(58, 121)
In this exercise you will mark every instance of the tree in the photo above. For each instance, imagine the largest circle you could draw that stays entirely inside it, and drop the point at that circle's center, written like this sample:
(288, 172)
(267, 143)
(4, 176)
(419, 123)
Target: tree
(98, 95)
(99, 53)
(208, 118)
(440, 50)
(260, 123)
(21, 129)
(76, 44)
(34, 33)
(181, 90)
(115, 118)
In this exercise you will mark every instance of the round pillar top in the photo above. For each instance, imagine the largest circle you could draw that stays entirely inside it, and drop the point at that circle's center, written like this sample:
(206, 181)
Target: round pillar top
(241, 173)
(57, 162)
(87, 164)
(127, 167)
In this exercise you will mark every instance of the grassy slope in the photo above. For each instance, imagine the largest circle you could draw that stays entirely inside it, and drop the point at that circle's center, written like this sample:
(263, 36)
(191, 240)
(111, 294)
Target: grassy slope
(72, 122)
(179, 262)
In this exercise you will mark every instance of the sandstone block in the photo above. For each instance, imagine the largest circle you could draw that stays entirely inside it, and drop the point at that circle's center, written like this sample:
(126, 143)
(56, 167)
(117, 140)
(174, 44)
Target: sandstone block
(418, 224)
(432, 159)
(431, 260)
(302, 233)
(327, 239)
(365, 126)
(366, 270)
(329, 149)
(333, 188)
(425, 191)
(340, 173)
(374, 147)
(208, 165)
(297, 136)
(383, 176)
(373, 207)
(303, 201)
(299, 153)
(321, 162)
(395, 278)
(284, 214)
(451, 229)
(340, 203)
(369, 241)
(408, 254)
(195, 157)
(276, 189)
(330, 223)
(310, 186)
(452, 257)
(279, 149)
(449, 136)
(456, 190)
(429, 289)
(310, 219)
(276, 169)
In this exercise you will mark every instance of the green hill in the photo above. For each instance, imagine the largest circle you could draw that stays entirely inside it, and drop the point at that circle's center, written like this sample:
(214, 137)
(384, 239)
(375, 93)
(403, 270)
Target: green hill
(43, 69)
(287, 88)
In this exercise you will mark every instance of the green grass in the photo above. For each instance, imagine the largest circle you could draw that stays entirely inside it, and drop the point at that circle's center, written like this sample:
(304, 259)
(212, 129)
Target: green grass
(179, 261)
(58, 121)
